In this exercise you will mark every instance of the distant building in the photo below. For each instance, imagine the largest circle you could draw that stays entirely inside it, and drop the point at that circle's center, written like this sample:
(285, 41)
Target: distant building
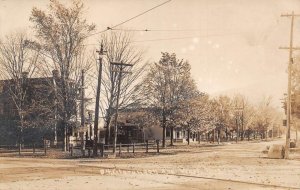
(136, 125)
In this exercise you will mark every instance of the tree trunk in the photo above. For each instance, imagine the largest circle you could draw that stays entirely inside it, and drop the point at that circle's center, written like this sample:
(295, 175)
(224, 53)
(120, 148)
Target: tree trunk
(164, 136)
(164, 130)
(249, 132)
(207, 137)
(189, 131)
(242, 132)
(226, 132)
(296, 137)
(66, 108)
(242, 135)
(214, 135)
(65, 135)
(107, 131)
(172, 136)
(219, 136)
(237, 130)
(20, 138)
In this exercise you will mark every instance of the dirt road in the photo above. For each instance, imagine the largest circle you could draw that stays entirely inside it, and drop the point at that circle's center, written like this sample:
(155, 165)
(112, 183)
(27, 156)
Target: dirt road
(230, 166)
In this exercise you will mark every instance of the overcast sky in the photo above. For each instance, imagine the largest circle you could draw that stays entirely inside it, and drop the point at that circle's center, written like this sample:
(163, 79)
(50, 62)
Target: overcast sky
(232, 45)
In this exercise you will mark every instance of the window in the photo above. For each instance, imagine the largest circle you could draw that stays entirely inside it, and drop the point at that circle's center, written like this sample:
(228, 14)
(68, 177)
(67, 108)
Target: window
(168, 134)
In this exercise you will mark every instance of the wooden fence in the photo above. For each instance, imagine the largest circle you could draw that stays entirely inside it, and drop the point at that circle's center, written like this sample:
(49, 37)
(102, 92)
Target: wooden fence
(22, 149)
(103, 149)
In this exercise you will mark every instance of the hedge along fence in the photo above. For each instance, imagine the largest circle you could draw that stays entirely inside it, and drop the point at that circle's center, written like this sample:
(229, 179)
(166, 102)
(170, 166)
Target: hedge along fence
(25, 149)
(129, 148)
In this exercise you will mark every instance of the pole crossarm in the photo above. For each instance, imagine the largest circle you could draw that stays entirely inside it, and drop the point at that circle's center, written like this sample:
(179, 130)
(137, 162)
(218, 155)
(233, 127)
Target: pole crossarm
(121, 64)
(116, 71)
(289, 15)
(288, 48)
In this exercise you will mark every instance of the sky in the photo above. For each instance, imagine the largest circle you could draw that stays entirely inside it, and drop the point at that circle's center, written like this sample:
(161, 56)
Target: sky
(232, 45)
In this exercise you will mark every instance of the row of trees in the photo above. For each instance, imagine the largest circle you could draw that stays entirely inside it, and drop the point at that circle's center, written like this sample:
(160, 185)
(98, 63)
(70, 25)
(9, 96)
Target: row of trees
(171, 92)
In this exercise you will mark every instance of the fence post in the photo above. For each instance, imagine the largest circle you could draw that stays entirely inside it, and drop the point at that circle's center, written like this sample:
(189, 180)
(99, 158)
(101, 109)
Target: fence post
(45, 147)
(19, 149)
(71, 149)
(147, 146)
(33, 148)
(102, 149)
(133, 147)
(120, 145)
(82, 145)
(157, 145)
(128, 147)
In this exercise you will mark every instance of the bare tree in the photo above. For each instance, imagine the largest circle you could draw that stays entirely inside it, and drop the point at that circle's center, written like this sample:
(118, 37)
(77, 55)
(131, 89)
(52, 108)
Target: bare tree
(247, 115)
(61, 34)
(265, 116)
(17, 63)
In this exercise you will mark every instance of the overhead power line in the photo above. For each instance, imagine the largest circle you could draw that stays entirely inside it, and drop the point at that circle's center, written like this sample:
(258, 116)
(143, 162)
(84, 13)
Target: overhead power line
(169, 39)
(187, 37)
(155, 30)
(110, 28)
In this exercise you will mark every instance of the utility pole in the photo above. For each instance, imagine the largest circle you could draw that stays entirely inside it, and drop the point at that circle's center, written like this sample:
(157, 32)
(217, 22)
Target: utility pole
(290, 48)
(82, 115)
(95, 148)
(121, 66)
(82, 99)
(54, 76)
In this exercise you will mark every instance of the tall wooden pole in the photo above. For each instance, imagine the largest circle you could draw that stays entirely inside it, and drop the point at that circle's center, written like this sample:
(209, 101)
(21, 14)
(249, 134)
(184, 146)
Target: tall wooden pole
(82, 99)
(288, 115)
(55, 75)
(95, 148)
(82, 113)
(121, 67)
(117, 111)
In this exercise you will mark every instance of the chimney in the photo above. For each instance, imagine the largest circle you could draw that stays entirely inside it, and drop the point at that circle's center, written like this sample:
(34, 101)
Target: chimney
(25, 75)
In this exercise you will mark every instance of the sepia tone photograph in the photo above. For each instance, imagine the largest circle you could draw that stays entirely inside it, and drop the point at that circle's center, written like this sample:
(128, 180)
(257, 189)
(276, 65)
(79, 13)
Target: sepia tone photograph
(149, 94)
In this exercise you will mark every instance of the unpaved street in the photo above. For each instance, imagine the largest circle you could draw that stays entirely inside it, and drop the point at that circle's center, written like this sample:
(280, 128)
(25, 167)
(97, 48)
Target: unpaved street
(229, 166)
